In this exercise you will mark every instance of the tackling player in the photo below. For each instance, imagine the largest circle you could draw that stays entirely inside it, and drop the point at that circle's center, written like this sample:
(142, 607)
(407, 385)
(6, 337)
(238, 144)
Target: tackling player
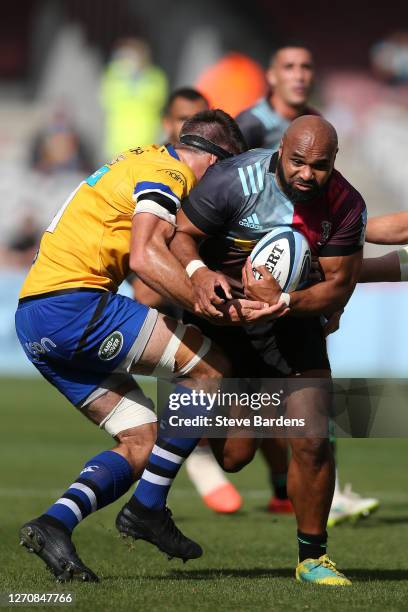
(297, 186)
(209, 479)
(87, 340)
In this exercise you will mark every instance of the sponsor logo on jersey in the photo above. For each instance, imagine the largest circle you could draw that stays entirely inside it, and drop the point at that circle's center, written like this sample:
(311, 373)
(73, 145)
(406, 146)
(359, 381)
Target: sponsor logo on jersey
(175, 175)
(326, 229)
(111, 346)
(252, 222)
(137, 151)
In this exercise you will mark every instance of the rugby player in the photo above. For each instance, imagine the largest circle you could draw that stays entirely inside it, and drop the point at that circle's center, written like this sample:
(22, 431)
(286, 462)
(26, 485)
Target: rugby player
(296, 186)
(290, 78)
(203, 470)
(88, 341)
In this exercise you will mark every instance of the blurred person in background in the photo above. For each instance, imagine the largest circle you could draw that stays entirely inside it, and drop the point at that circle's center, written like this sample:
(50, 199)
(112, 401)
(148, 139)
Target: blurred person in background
(20, 249)
(209, 479)
(133, 94)
(290, 79)
(390, 58)
(58, 147)
(233, 83)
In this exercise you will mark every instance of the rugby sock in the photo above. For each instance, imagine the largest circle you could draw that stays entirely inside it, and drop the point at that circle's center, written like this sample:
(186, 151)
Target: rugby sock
(166, 458)
(279, 485)
(311, 546)
(104, 479)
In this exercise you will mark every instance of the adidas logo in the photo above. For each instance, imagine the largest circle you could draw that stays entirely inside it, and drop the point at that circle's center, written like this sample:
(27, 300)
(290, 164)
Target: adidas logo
(252, 222)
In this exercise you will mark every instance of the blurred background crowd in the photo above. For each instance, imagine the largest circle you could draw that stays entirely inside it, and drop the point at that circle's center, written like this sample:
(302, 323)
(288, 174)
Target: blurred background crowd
(81, 80)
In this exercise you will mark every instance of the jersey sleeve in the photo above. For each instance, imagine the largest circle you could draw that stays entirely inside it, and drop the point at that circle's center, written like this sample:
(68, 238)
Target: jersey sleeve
(160, 192)
(349, 225)
(208, 204)
(252, 129)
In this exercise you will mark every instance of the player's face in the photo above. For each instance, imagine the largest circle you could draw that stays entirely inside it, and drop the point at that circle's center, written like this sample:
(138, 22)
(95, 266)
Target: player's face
(304, 168)
(181, 110)
(291, 75)
(200, 162)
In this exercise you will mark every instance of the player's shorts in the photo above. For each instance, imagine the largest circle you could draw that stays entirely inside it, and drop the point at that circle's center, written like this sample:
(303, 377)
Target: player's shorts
(287, 346)
(83, 341)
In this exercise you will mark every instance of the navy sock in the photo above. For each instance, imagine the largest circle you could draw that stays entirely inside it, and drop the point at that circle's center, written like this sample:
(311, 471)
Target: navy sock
(104, 479)
(166, 458)
(311, 546)
(279, 485)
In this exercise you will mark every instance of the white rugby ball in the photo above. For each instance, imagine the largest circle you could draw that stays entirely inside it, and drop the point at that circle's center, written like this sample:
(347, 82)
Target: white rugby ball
(286, 254)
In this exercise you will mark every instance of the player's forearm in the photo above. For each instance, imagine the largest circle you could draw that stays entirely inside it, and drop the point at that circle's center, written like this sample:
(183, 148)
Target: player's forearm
(388, 229)
(161, 271)
(324, 298)
(383, 269)
(185, 248)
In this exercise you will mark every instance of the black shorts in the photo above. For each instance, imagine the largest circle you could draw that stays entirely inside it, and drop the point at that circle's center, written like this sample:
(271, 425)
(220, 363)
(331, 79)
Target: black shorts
(270, 350)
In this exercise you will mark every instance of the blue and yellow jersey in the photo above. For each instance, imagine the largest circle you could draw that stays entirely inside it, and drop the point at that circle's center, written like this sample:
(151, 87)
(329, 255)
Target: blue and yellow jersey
(87, 244)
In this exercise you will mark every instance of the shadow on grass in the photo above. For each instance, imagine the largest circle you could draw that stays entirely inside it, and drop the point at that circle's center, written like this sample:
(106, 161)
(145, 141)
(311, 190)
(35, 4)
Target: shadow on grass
(356, 575)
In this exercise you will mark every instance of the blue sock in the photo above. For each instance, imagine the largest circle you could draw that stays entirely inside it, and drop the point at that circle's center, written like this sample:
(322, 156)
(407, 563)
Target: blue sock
(104, 479)
(166, 458)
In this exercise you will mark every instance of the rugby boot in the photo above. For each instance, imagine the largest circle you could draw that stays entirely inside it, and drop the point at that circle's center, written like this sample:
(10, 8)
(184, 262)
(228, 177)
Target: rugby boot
(158, 528)
(54, 546)
(321, 571)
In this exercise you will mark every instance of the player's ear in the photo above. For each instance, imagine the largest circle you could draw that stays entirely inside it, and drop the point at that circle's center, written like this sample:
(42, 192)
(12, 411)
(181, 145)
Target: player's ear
(280, 148)
(166, 125)
(271, 77)
(213, 159)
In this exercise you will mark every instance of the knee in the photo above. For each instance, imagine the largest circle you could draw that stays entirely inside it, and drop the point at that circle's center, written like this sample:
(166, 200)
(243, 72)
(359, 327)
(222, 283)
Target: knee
(234, 459)
(311, 451)
(136, 445)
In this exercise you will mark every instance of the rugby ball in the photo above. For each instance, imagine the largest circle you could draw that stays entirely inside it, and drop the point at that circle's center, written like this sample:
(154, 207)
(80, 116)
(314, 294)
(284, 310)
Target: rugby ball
(286, 254)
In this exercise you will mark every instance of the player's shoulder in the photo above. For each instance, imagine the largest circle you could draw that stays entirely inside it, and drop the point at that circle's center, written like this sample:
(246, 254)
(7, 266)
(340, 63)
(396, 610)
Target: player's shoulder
(224, 171)
(342, 193)
(265, 114)
(163, 161)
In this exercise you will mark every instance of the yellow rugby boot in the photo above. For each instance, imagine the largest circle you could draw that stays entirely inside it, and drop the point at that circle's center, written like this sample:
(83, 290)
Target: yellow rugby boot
(321, 571)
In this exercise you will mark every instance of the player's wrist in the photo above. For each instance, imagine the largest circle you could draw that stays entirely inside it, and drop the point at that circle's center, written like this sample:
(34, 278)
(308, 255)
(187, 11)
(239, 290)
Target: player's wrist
(193, 266)
(285, 297)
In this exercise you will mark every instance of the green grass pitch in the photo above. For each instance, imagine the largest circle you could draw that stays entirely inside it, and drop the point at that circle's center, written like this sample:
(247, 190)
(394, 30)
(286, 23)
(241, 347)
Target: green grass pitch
(249, 558)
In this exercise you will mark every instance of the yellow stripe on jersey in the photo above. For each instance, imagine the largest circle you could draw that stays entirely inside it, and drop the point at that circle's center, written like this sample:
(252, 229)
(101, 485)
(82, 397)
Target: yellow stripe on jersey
(87, 243)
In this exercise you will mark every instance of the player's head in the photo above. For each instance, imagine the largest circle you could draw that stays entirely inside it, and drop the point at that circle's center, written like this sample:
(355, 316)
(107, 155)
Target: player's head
(306, 157)
(208, 137)
(182, 104)
(290, 75)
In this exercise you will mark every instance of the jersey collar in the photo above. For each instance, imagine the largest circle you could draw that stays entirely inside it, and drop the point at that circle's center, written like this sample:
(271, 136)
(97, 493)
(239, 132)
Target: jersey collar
(172, 151)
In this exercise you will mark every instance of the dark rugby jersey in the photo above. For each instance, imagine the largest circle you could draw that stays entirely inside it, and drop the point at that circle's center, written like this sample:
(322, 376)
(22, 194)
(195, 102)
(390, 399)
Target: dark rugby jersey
(238, 201)
(262, 126)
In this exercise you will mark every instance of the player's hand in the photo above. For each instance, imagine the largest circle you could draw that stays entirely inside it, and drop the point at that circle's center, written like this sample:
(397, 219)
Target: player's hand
(242, 312)
(333, 323)
(206, 283)
(248, 311)
(266, 289)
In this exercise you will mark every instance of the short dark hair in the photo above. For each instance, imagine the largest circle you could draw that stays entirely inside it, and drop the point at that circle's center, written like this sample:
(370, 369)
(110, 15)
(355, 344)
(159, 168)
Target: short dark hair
(289, 44)
(188, 93)
(217, 127)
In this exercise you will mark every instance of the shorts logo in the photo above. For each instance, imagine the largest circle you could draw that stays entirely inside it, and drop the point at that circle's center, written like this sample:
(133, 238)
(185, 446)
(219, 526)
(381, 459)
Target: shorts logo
(111, 346)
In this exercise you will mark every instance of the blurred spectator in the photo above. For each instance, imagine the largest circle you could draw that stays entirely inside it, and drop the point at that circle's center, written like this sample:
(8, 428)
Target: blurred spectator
(59, 148)
(20, 249)
(133, 95)
(182, 104)
(233, 83)
(390, 58)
